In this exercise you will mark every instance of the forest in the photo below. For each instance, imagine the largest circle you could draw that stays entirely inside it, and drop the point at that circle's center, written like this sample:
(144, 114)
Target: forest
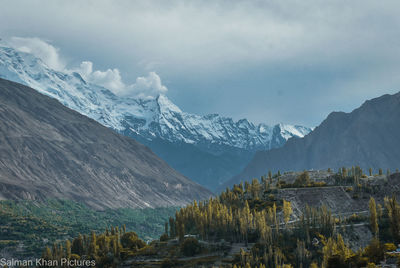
(27, 226)
(249, 226)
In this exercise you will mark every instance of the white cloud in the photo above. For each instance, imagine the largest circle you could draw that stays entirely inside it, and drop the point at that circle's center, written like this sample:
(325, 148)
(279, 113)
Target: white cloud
(145, 87)
(85, 69)
(40, 48)
(111, 78)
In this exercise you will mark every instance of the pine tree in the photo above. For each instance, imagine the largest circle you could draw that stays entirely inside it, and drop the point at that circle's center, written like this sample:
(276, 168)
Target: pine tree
(370, 171)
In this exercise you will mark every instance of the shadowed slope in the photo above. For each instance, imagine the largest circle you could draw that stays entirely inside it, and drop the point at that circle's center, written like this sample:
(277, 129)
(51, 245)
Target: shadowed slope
(50, 151)
(368, 137)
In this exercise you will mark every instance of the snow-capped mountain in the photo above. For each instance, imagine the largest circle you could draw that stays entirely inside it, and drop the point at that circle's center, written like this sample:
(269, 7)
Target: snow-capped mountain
(149, 118)
(144, 119)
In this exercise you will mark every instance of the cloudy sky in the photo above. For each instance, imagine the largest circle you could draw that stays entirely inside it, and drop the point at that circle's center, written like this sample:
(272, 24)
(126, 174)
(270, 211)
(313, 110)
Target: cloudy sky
(269, 61)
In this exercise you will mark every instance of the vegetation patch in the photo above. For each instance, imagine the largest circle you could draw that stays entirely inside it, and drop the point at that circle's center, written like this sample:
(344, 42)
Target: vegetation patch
(27, 227)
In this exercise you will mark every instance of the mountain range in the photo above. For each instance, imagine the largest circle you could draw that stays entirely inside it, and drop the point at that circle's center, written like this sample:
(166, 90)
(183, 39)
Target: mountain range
(367, 137)
(50, 151)
(209, 149)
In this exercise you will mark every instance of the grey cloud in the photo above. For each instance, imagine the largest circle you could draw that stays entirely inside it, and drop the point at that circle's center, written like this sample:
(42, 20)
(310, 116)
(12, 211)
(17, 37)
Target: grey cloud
(329, 50)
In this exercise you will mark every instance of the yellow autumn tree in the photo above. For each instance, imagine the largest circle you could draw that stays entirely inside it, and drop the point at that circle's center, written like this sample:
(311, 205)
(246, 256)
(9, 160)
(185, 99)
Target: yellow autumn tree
(373, 216)
(287, 211)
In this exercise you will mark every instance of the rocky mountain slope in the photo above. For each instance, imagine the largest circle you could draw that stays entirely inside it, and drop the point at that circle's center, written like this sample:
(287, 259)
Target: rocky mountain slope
(50, 151)
(367, 137)
(158, 123)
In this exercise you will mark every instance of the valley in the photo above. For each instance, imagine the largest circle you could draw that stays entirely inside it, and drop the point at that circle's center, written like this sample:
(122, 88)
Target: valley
(199, 134)
(27, 226)
(315, 218)
(88, 175)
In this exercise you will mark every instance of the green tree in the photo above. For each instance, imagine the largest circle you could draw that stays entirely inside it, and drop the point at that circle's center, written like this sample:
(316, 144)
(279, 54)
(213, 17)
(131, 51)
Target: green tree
(302, 180)
(181, 230)
(131, 240)
(166, 228)
(375, 250)
(172, 230)
(77, 246)
(190, 246)
(93, 245)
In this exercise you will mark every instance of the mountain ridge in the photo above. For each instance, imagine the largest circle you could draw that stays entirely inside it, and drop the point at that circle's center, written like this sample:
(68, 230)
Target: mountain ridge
(209, 136)
(29, 70)
(50, 151)
(367, 137)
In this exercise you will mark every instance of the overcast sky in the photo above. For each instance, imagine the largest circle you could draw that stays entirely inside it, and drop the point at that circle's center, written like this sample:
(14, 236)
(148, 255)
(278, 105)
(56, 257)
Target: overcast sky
(268, 61)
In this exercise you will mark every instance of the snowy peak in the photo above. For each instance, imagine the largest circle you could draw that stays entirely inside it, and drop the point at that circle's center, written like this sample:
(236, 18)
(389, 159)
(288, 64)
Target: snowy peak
(147, 118)
(288, 131)
(166, 106)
